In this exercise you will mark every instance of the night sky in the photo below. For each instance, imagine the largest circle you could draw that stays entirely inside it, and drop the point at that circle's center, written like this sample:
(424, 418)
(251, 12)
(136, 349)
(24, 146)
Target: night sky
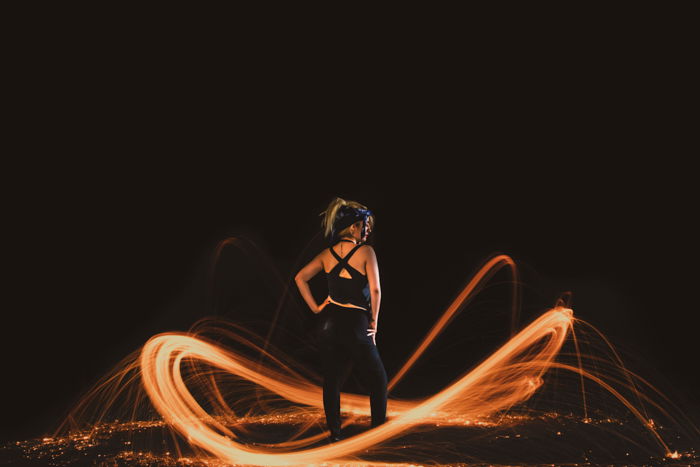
(585, 183)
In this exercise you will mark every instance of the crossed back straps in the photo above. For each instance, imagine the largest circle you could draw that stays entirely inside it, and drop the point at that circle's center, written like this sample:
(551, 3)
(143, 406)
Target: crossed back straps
(343, 262)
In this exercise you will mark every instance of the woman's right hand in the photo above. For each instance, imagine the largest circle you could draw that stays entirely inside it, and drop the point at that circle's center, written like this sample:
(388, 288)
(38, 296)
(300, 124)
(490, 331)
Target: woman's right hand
(322, 305)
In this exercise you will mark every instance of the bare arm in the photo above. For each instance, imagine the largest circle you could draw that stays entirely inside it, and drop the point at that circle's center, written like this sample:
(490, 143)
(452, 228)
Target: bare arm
(302, 278)
(372, 270)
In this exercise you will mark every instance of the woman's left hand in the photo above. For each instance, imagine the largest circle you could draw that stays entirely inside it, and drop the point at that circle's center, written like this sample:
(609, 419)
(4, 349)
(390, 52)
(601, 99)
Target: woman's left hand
(372, 332)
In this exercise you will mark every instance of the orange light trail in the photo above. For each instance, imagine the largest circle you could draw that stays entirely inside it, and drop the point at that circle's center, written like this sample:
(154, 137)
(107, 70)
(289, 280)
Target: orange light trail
(509, 376)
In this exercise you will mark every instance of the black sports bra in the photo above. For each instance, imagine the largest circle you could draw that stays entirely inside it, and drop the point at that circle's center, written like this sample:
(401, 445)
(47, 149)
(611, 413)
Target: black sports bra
(343, 290)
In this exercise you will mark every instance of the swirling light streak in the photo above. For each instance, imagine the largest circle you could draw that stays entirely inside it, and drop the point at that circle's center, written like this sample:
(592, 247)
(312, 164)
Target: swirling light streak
(490, 268)
(495, 384)
(509, 376)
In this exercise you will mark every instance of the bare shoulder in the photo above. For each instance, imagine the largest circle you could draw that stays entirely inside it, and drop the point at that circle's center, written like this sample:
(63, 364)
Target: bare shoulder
(367, 251)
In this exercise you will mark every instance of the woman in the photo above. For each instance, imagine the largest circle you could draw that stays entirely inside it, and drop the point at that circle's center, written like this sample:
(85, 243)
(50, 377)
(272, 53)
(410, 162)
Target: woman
(348, 325)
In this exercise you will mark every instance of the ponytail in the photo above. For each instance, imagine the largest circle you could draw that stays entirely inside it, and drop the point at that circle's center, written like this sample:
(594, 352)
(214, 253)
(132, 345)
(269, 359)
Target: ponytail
(331, 212)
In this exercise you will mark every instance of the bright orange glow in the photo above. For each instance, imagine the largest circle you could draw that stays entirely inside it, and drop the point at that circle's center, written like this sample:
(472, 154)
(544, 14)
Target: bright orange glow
(509, 376)
(499, 382)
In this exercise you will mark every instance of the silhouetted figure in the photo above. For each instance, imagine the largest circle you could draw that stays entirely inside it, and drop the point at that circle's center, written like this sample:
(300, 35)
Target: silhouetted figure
(348, 325)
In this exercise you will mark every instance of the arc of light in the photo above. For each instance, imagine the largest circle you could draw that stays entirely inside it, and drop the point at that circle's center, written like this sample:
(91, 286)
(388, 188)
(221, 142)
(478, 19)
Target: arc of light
(491, 267)
(477, 393)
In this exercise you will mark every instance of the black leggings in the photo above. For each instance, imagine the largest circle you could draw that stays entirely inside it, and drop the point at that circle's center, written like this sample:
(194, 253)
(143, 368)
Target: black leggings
(344, 342)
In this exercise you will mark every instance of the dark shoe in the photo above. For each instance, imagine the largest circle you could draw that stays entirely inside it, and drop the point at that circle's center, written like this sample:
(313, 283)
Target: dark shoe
(334, 438)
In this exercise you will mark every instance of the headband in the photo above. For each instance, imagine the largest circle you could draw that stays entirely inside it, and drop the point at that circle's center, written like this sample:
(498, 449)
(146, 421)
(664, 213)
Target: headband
(347, 216)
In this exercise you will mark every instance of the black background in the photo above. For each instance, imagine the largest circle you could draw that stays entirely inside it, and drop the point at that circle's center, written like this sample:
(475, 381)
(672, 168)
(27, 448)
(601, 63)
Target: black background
(576, 165)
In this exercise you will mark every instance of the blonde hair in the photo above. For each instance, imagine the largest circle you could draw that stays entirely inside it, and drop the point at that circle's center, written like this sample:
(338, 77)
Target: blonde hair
(330, 213)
